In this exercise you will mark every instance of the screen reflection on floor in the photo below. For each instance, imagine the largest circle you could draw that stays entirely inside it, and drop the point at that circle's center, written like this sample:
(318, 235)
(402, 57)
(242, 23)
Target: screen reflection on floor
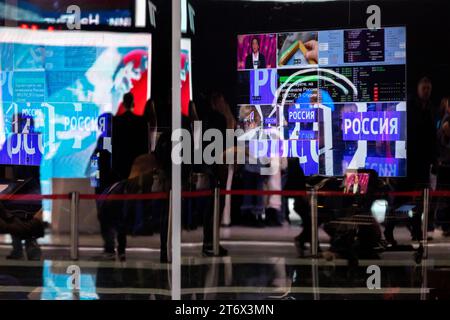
(58, 284)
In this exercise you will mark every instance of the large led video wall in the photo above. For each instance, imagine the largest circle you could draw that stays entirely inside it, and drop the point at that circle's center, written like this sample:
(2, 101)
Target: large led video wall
(59, 90)
(336, 99)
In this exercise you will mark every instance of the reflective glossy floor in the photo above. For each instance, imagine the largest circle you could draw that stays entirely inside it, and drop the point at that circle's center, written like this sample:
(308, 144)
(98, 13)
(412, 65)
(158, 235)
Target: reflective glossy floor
(267, 269)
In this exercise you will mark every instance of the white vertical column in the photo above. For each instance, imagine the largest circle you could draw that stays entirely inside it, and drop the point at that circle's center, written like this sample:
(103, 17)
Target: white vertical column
(140, 13)
(176, 169)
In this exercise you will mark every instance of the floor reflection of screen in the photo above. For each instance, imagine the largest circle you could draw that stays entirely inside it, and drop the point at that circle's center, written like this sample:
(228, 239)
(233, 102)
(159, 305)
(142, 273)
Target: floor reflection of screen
(57, 286)
(337, 97)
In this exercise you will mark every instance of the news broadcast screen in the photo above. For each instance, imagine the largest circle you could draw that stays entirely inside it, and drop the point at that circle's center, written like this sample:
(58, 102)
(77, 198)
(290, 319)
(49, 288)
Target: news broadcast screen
(356, 183)
(186, 75)
(59, 91)
(336, 98)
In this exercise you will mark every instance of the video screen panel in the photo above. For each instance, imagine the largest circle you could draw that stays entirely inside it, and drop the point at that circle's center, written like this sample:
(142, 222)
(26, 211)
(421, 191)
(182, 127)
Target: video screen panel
(356, 183)
(265, 58)
(337, 98)
(55, 107)
(373, 83)
(186, 75)
(293, 49)
(362, 47)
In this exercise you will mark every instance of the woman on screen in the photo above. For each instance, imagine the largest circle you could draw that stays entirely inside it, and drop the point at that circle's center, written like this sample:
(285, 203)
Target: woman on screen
(255, 60)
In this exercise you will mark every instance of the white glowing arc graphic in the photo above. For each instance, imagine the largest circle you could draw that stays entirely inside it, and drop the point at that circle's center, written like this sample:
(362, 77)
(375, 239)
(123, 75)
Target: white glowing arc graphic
(334, 73)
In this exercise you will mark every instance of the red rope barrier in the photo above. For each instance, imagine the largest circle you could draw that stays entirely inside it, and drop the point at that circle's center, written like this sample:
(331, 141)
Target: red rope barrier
(33, 197)
(334, 194)
(440, 193)
(196, 194)
(263, 192)
(206, 193)
(289, 193)
(115, 197)
(405, 193)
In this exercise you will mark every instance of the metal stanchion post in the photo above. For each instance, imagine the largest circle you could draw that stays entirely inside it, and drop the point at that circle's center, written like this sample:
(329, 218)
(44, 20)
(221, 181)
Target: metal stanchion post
(314, 235)
(314, 245)
(216, 222)
(315, 278)
(176, 168)
(424, 288)
(426, 209)
(169, 230)
(74, 208)
(424, 243)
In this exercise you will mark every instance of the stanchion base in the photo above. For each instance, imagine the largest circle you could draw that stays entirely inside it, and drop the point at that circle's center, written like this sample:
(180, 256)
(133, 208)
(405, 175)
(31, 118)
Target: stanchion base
(418, 255)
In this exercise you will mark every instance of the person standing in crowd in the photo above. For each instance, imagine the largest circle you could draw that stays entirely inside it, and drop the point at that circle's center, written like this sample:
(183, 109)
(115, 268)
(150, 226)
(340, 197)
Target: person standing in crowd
(215, 117)
(252, 207)
(439, 117)
(443, 112)
(28, 182)
(31, 228)
(129, 138)
(255, 59)
(25, 210)
(296, 182)
(190, 205)
(274, 216)
(443, 168)
(221, 106)
(421, 146)
(23, 220)
(162, 176)
(118, 218)
(101, 159)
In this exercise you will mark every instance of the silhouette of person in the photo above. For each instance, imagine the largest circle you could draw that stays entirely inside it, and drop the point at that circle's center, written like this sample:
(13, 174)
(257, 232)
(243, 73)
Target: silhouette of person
(129, 138)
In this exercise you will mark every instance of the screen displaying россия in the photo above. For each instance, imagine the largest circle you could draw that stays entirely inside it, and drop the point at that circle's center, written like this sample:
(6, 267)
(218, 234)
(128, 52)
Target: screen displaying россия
(58, 90)
(335, 98)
